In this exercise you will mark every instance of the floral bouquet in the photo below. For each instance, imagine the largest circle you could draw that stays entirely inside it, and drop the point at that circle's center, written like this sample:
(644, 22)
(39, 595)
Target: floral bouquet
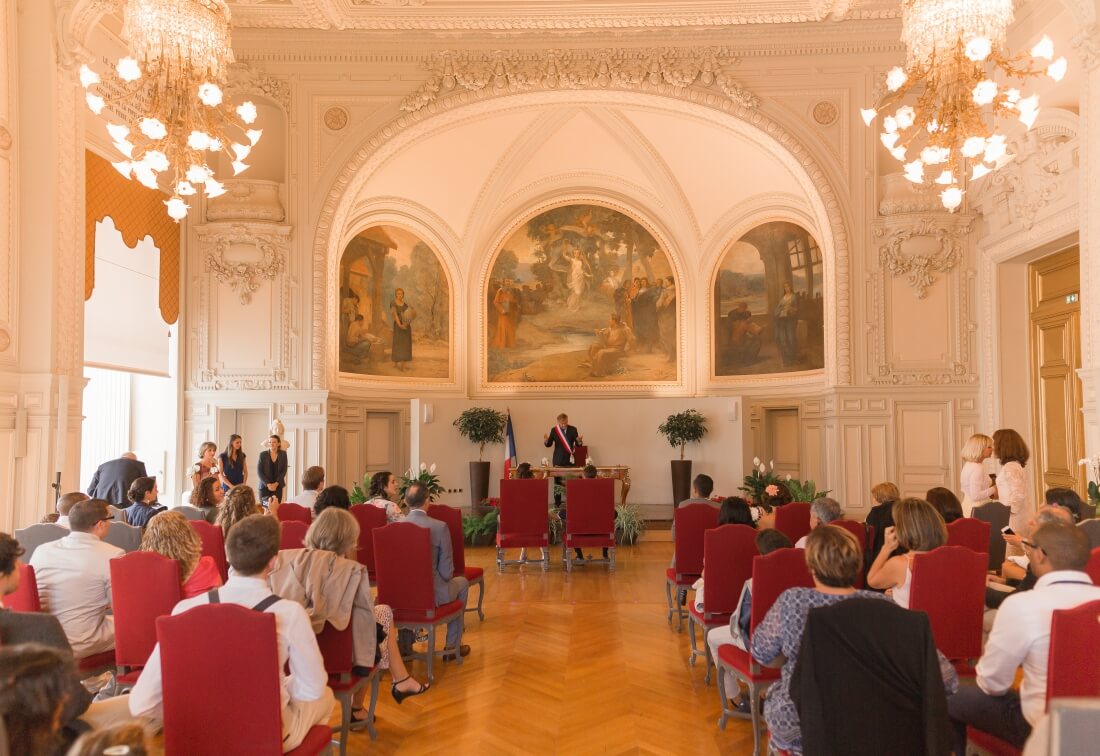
(197, 468)
(425, 475)
(762, 478)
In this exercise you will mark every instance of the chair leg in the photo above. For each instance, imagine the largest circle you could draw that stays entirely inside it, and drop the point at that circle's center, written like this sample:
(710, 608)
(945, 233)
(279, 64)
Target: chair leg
(545, 559)
(431, 652)
(681, 597)
(376, 680)
(706, 651)
(722, 698)
(480, 596)
(345, 721)
(754, 708)
(691, 633)
(500, 559)
(668, 596)
(611, 567)
(566, 556)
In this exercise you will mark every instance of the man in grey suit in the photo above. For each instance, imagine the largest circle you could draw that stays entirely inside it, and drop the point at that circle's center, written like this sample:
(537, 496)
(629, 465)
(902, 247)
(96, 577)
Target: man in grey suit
(112, 480)
(448, 586)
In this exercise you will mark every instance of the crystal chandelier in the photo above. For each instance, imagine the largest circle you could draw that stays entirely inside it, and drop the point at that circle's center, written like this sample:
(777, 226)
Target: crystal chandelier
(168, 114)
(953, 50)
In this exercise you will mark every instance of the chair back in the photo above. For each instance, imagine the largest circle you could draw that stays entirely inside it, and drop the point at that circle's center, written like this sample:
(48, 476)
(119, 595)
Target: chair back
(1091, 528)
(220, 697)
(213, 544)
(728, 551)
(292, 534)
(996, 514)
(692, 521)
(144, 586)
(126, 537)
(403, 560)
(971, 533)
(523, 508)
(452, 518)
(591, 503)
(337, 649)
(190, 512)
(291, 511)
(33, 536)
(856, 528)
(25, 599)
(793, 519)
(771, 575)
(949, 586)
(369, 517)
(1093, 567)
(1073, 667)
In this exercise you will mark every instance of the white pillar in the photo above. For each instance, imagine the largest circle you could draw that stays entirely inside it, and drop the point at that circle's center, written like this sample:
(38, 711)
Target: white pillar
(1088, 47)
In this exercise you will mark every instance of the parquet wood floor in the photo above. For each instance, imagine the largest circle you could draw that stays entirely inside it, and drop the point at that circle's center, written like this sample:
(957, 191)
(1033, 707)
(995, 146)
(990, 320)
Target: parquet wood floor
(577, 664)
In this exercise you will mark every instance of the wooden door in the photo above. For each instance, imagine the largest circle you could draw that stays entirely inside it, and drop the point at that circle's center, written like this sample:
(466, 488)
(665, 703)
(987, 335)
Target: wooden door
(783, 442)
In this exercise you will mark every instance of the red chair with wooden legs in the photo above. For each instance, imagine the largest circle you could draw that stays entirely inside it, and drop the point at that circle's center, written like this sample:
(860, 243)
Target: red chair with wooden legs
(728, 551)
(26, 598)
(292, 534)
(369, 517)
(771, 575)
(590, 518)
(859, 530)
(403, 553)
(224, 697)
(337, 649)
(291, 511)
(144, 586)
(949, 586)
(1093, 568)
(213, 544)
(524, 520)
(690, 522)
(474, 575)
(793, 519)
(969, 532)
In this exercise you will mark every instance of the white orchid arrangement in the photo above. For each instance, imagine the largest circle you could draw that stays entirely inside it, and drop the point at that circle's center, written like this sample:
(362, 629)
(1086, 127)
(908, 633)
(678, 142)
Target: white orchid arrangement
(763, 477)
(1092, 470)
(426, 475)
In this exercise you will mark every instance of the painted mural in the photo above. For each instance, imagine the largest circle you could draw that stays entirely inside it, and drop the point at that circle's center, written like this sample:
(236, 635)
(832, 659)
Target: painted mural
(581, 293)
(769, 304)
(395, 306)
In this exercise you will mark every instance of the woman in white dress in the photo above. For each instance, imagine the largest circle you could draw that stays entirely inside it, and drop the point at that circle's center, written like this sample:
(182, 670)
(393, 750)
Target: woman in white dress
(976, 485)
(1011, 451)
(577, 280)
(383, 491)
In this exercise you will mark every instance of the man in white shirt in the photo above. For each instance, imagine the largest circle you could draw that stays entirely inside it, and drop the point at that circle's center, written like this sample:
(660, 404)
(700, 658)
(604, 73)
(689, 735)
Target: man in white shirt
(65, 505)
(74, 579)
(1021, 637)
(313, 483)
(822, 512)
(307, 701)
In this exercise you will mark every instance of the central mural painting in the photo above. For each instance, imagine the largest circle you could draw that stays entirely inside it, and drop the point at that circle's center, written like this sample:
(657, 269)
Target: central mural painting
(581, 294)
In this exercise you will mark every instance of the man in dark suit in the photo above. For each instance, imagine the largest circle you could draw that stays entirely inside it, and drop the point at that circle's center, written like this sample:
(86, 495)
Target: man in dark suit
(112, 480)
(564, 438)
(448, 586)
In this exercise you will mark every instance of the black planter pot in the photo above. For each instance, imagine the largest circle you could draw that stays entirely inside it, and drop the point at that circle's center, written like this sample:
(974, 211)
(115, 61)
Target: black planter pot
(479, 484)
(681, 481)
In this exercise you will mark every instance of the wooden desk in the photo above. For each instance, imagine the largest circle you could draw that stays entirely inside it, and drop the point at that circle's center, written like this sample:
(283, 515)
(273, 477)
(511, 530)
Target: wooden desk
(618, 472)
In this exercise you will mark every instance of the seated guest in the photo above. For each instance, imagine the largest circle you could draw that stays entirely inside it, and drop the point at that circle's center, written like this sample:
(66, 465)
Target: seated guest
(448, 586)
(881, 515)
(383, 494)
(207, 497)
(251, 547)
(170, 535)
(736, 511)
(240, 503)
(834, 558)
(36, 680)
(65, 503)
(822, 512)
(1020, 636)
(128, 738)
(701, 488)
(313, 483)
(1067, 499)
(524, 472)
(945, 502)
(10, 552)
(74, 579)
(143, 494)
(919, 529)
(332, 496)
(589, 473)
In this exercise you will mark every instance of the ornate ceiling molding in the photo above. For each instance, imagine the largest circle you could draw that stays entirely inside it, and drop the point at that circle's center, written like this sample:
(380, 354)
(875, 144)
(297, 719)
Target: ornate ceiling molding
(245, 79)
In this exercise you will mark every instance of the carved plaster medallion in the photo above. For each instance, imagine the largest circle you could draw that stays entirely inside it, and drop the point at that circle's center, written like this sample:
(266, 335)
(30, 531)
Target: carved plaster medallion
(244, 255)
(336, 118)
(825, 113)
(904, 254)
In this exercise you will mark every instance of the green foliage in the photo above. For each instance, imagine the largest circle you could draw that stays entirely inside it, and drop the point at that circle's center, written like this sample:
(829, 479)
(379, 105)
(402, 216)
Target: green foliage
(683, 428)
(1094, 492)
(481, 425)
(474, 526)
(629, 523)
(556, 524)
(804, 490)
(761, 477)
(358, 493)
(425, 475)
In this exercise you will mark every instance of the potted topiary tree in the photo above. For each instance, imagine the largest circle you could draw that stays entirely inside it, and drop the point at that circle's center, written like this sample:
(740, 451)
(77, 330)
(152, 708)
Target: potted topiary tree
(482, 426)
(681, 429)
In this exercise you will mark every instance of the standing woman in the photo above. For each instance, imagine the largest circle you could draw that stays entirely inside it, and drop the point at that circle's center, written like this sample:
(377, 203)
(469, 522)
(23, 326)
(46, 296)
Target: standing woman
(402, 349)
(976, 485)
(786, 322)
(1011, 451)
(272, 470)
(207, 466)
(233, 469)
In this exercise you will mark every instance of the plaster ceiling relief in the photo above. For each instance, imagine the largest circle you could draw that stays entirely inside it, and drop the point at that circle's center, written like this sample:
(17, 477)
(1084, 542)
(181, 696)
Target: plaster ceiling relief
(811, 111)
(354, 115)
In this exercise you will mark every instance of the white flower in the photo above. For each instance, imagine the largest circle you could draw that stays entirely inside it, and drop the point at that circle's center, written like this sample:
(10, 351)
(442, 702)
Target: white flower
(763, 468)
(756, 461)
(788, 476)
(771, 464)
(407, 473)
(432, 469)
(588, 461)
(423, 467)
(895, 78)
(545, 462)
(214, 470)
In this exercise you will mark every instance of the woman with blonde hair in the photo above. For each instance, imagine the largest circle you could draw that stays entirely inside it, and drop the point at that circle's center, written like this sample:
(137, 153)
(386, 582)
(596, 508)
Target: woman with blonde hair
(976, 485)
(239, 503)
(207, 466)
(170, 535)
(1011, 451)
(881, 515)
(919, 529)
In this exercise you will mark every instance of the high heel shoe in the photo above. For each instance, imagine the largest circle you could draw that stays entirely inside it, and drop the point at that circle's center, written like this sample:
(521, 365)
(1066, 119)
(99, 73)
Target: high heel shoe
(401, 695)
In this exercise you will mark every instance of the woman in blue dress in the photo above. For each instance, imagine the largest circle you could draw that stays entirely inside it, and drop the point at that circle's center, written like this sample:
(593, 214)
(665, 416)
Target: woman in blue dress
(233, 470)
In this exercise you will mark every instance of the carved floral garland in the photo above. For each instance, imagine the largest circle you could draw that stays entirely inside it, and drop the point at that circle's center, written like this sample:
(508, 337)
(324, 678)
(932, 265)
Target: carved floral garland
(918, 268)
(245, 278)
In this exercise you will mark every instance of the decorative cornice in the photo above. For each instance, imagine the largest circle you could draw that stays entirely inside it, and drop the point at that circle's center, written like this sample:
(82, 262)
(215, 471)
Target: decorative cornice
(245, 79)
(1087, 45)
(244, 277)
(949, 231)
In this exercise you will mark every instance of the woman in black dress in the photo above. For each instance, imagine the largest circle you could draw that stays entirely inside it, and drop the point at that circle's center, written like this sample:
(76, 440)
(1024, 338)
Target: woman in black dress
(272, 470)
(402, 349)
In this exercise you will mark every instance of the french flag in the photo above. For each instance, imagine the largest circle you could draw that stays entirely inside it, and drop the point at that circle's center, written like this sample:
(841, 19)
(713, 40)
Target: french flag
(509, 448)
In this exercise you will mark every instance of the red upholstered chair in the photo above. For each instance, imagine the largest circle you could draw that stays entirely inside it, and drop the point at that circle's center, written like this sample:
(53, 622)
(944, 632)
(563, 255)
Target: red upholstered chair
(949, 586)
(475, 575)
(591, 517)
(1093, 568)
(213, 544)
(771, 575)
(691, 522)
(403, 555)
(25, 599)
(971, 533)
(290, 511)
(337, 649)
(996, 514)
(728, 551)
(223, 697)
(793, 519)
(292, 534)
(144, 586)
(859, 530)
(369, 517)
(524, 522)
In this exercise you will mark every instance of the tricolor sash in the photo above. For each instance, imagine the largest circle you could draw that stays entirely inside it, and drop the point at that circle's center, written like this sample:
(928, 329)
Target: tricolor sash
(568, 448)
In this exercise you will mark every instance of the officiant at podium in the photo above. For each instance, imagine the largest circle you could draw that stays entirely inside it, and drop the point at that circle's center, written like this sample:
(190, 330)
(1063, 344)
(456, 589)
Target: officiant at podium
(564, 438)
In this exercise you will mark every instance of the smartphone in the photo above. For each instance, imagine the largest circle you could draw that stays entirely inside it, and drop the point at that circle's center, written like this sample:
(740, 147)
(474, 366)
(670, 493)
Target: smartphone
(1008, 531)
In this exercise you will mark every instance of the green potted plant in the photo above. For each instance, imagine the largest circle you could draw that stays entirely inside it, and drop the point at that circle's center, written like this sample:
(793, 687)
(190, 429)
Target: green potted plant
(480, 530)
(629, 523)
(804, 490)
(482, 426)
(759, 479)
(679, 430)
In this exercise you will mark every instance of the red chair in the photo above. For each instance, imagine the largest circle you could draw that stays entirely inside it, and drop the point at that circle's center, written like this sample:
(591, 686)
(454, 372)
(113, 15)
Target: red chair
(591, 518)
(337, 649)
(290, 511)
(1093, 568)
(144, 586)
(971, 533)
(524, 522)
(223, 697)
(213, 544)
(474, 575)
(793, 519)
(691, 522)
(369, 517)
(859, 530)
(949, 586)
(771, 575)
(403, 552)
(728, 552)
(25, 599)
(292, 534)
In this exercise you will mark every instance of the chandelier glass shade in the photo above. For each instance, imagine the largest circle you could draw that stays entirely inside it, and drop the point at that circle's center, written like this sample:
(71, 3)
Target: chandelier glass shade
(941, 109)
(168, 115)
